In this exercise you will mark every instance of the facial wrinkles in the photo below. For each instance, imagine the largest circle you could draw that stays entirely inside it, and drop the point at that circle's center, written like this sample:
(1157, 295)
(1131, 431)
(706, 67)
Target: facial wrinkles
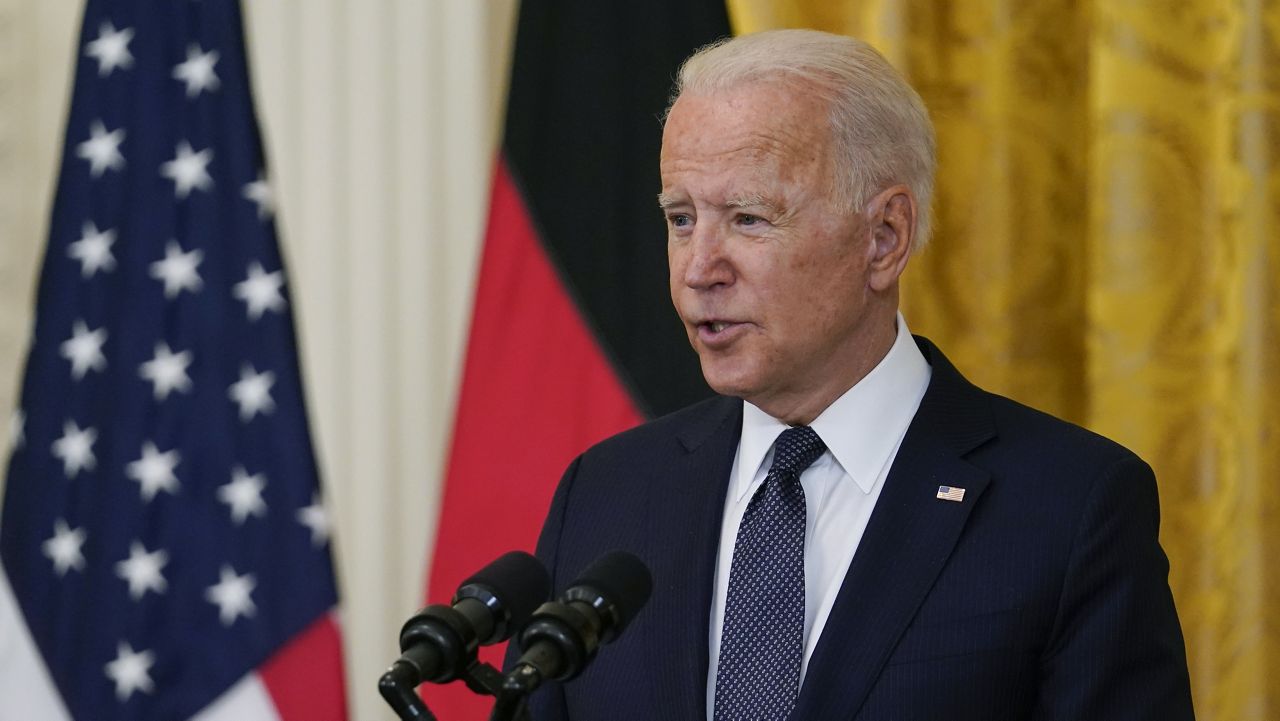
(777, 152)
(760, 166)
(793, 287)
(771, 158)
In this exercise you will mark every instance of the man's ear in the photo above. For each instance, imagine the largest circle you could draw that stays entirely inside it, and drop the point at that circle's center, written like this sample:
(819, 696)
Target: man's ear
(892, 217)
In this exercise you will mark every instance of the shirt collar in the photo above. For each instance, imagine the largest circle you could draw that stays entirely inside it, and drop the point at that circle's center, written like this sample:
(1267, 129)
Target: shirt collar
(861, 428)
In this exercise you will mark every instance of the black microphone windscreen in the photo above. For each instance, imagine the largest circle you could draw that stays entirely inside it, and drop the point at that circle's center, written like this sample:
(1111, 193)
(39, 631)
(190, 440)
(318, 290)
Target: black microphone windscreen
(623, 579)
(519, 582)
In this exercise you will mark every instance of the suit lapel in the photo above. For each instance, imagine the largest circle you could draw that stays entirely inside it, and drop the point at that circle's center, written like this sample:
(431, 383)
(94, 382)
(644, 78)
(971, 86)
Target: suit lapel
(910, 535)
(685, 510)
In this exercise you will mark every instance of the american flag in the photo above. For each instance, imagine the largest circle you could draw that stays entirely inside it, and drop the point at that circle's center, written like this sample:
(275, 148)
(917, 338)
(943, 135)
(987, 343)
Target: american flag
(165, 551)
(950, 493)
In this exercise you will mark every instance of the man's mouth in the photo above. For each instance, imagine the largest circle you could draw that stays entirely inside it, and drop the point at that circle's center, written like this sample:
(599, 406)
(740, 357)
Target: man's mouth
(719, 333)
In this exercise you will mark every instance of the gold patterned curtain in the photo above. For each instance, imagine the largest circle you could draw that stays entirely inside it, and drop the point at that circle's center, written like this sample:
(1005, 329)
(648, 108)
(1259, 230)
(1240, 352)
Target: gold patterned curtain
(1107, 210)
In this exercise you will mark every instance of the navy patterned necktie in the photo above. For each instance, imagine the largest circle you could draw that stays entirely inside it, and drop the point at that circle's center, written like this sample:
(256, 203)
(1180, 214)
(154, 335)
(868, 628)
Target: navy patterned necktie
(762, 642)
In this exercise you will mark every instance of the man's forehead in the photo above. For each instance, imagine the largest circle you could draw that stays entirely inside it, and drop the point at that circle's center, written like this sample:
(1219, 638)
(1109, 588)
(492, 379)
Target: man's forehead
(753, 125)
(747, 124)
(720, 178)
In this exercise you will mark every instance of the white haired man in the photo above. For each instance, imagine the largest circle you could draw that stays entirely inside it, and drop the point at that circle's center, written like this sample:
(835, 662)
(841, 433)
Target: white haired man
(851, 529)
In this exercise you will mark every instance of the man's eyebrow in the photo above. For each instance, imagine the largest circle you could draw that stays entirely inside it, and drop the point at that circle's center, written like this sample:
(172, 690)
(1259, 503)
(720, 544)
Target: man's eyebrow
(751, 201)
(666, 200)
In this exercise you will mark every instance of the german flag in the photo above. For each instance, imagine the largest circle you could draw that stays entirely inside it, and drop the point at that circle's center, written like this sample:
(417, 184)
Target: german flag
(573, 337)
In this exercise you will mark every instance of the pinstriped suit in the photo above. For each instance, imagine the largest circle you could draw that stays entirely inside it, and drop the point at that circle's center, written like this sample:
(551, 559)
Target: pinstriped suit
(1043, 595)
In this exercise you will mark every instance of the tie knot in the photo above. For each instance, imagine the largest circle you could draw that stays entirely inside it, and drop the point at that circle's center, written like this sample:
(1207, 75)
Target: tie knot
(795, 450)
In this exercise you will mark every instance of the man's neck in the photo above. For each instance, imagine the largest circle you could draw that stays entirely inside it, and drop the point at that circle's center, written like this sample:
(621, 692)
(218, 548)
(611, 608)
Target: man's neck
(799, 409)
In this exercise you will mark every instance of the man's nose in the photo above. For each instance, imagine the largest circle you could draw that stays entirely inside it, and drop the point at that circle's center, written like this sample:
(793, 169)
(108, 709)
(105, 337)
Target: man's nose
(707, 265)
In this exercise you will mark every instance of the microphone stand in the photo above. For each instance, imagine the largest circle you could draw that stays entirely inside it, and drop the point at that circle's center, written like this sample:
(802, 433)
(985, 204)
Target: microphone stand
(516, 687)
(397, 690)
(396, 687)
(482, 678)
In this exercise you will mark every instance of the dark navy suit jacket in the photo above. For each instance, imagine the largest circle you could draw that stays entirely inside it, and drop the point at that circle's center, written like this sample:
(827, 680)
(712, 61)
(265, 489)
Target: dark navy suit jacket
(1043, 595)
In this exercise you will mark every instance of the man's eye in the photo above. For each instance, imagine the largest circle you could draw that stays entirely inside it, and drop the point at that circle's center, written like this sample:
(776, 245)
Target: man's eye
(746, 219)
(679, 220)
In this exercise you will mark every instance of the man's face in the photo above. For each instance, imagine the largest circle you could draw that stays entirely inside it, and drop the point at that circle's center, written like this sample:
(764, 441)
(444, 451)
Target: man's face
(768, 271)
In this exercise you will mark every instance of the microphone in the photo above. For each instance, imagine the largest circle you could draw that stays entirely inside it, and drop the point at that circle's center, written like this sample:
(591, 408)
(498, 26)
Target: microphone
(440, 642)
(563, 635)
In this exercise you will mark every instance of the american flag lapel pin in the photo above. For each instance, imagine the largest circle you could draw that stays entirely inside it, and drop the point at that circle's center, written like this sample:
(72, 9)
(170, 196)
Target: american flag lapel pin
(950, 493)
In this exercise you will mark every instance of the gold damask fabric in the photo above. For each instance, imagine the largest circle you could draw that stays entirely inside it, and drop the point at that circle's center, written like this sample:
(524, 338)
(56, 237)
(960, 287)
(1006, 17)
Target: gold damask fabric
(1106, 248)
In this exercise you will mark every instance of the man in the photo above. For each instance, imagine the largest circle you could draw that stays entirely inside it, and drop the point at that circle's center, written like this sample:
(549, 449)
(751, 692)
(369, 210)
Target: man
(851, 530)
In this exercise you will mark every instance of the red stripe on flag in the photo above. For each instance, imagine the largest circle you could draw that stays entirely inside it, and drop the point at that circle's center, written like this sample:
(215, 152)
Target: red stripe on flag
(304, 678)
(537, 390)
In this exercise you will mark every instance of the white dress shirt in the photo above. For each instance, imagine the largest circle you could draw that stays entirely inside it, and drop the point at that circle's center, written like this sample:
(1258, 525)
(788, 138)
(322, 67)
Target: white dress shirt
(862, 430)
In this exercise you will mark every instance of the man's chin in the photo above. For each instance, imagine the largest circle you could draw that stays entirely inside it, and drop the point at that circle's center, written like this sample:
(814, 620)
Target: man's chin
(728, 380)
